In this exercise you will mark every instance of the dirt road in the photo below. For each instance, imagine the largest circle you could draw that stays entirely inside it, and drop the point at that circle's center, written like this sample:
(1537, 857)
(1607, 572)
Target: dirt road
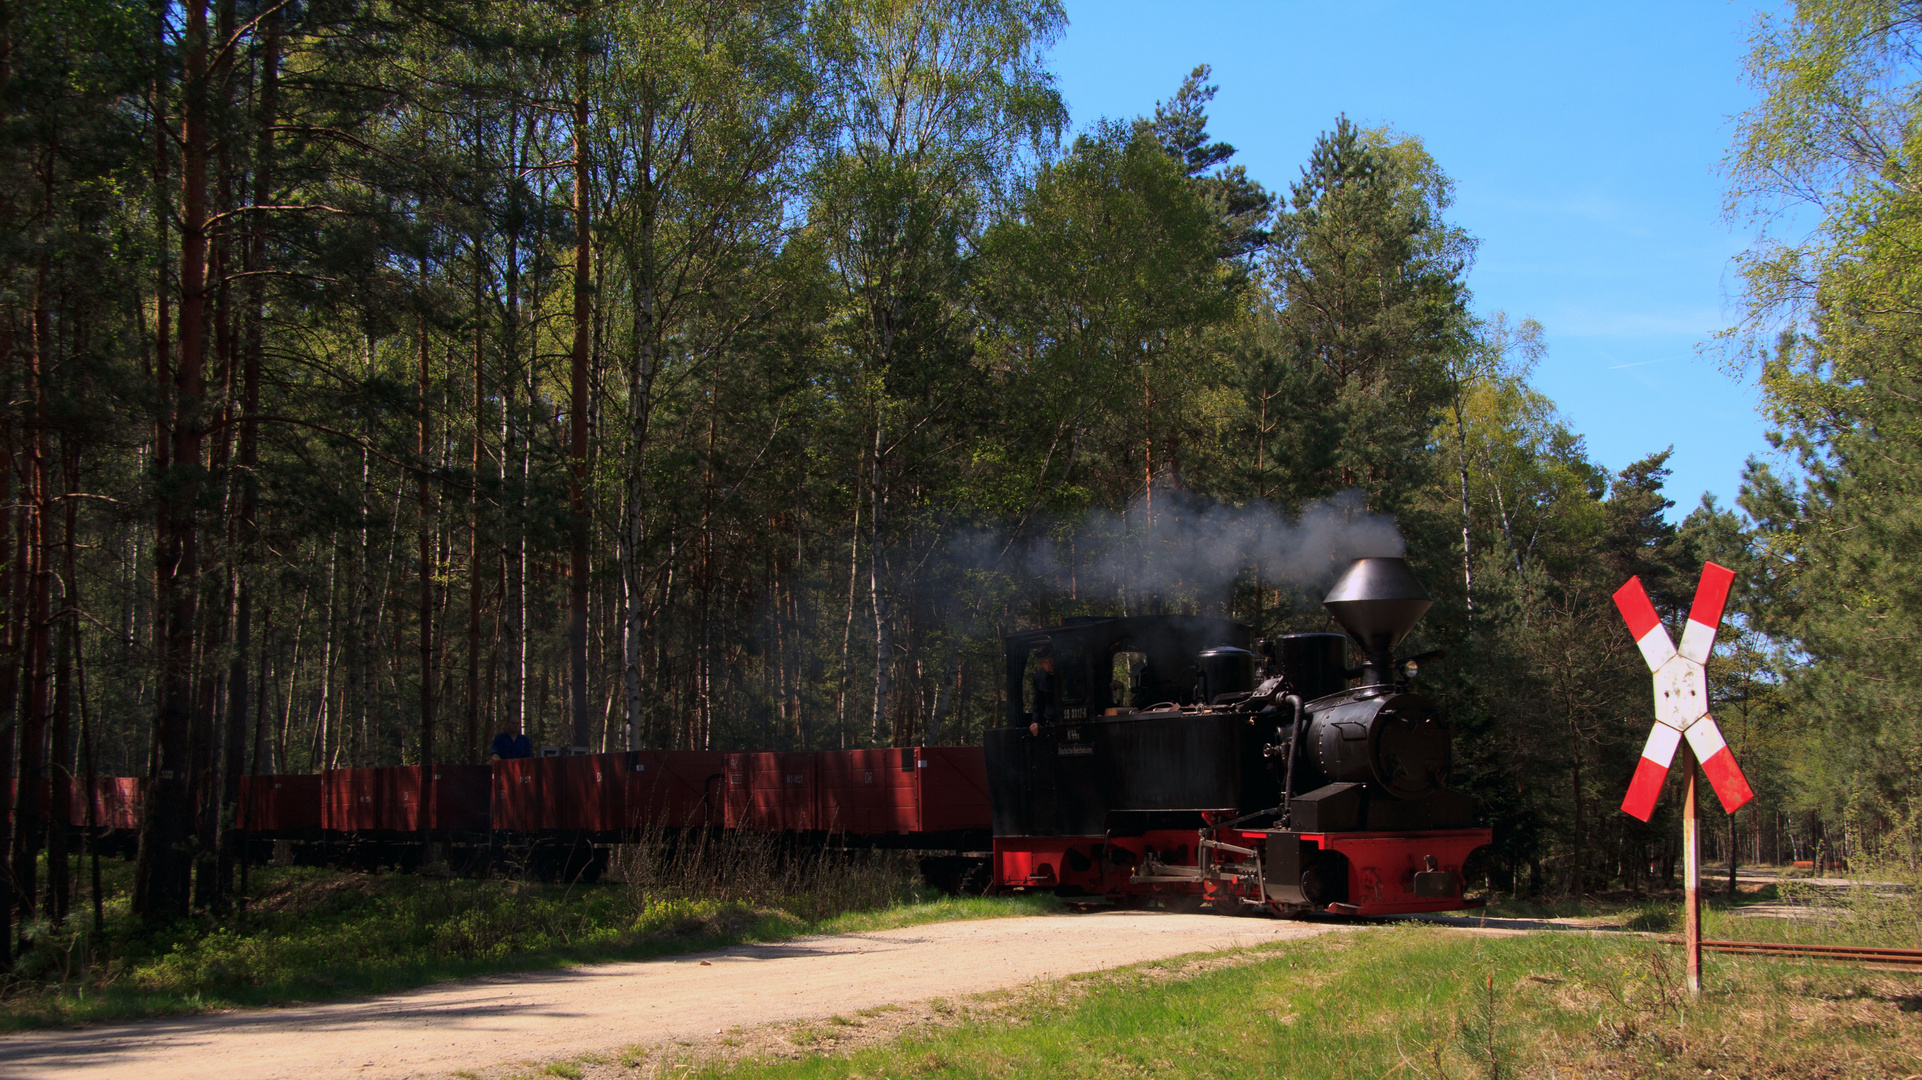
(479, 1023)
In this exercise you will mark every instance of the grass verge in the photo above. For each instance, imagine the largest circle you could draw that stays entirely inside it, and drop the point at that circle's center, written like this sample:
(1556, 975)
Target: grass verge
(1392, 1001)
(1884, 909)
(310, 934)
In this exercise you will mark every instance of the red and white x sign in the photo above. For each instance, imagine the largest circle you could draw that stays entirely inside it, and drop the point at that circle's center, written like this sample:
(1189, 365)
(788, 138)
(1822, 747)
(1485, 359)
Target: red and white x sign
(1681, 694)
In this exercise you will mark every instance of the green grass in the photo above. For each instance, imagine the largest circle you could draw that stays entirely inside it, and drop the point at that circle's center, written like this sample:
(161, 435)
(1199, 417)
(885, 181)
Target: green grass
(311, 935)
(1865, 915)
(930, 909)
(1417, 1002)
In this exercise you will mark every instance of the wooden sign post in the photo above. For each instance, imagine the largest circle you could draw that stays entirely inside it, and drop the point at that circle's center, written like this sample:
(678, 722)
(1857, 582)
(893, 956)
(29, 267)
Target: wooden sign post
(1691, 878)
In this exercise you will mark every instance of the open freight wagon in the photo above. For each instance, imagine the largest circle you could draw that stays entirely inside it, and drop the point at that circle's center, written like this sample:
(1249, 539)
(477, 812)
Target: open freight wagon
(405, 801)
(933, 796)
(608, 795)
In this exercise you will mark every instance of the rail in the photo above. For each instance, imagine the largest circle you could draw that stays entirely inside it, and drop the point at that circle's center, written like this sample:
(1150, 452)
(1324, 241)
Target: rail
(1857, 954)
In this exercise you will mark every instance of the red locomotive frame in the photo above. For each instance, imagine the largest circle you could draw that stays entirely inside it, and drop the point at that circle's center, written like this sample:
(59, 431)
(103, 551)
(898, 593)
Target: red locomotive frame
(1380, 866)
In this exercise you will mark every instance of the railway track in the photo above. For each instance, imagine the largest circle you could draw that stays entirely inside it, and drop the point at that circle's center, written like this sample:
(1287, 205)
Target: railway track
(1852, 954)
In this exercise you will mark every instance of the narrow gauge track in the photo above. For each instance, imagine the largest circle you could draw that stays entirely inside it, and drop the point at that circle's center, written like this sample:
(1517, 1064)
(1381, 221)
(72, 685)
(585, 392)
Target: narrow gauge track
(1856, 954)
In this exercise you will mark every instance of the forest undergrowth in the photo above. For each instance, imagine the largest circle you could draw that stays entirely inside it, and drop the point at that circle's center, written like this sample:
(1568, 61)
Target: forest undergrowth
(313, 933)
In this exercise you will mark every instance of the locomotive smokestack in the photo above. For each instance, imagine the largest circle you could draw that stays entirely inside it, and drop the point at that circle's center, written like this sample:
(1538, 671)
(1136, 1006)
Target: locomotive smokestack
(1378, 601)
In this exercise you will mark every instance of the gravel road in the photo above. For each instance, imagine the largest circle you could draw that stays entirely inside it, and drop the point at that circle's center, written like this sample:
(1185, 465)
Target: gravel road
(477, 1024)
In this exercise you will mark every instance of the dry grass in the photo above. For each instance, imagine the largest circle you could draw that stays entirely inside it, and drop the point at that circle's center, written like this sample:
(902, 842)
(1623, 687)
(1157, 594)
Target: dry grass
(759, 870)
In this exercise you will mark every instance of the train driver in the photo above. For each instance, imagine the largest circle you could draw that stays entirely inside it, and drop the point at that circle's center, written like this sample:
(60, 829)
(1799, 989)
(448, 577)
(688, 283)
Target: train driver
(1044, 695)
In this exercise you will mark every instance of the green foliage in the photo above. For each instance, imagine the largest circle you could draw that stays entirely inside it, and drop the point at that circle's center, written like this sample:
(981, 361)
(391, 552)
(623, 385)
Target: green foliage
(1831, 329)
(1094, 294)
(1241, 205)
(1371, 306)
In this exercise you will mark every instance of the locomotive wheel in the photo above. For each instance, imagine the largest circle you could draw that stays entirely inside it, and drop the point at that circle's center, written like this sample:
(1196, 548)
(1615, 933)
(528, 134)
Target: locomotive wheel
(1325, 880)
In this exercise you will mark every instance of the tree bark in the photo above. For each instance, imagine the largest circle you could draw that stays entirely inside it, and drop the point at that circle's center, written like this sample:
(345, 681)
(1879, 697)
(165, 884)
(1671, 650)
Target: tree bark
(13, 588)
(247, 525)
(577, 430)
(883, 669)
(1468, 553)
(470, 736)
(93, 776)
(59, 887)
(160, 890)
(29, 822)
(424, 496)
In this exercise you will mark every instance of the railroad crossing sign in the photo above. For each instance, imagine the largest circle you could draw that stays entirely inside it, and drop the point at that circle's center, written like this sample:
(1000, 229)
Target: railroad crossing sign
(1681, 694)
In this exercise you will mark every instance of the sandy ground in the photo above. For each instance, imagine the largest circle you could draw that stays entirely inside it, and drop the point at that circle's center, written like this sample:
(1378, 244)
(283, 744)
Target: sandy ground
(478, 1025)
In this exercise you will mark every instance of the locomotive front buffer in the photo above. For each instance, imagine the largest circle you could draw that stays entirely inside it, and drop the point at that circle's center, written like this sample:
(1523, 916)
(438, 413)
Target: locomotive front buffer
(1172, 759)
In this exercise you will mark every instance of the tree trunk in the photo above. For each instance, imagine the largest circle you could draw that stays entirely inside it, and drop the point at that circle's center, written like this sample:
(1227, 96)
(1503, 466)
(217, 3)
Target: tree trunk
(640, 403)
(1579, 849)
(847, 626)
(1468, 555)
(1732, 857)
(30, 826)
(93, 776)
(160, 889)
(424, 495)
(577, 430)
(470, 740)
(12, 587)
(59, 888)
(247, 525)
(324, 719)
(883, 668)
(513, 559)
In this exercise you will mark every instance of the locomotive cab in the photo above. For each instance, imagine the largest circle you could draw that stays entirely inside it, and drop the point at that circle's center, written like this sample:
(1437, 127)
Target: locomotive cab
(1166, 659)
(1115, 737)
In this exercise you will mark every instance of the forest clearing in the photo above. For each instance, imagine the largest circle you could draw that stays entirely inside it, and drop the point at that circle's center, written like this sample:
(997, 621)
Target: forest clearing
(551, 392)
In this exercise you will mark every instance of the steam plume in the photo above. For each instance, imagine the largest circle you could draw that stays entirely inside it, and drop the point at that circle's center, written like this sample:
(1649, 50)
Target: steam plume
(1192, 546)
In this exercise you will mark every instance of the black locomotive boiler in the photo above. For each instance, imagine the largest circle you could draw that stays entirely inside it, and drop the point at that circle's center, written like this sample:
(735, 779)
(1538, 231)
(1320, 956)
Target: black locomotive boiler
(1173, 757)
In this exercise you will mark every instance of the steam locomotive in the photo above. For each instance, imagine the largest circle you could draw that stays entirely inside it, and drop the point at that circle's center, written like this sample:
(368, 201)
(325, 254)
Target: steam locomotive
(1170, 758)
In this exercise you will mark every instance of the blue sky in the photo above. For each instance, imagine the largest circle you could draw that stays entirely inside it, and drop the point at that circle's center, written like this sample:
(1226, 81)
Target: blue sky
(1586, 144)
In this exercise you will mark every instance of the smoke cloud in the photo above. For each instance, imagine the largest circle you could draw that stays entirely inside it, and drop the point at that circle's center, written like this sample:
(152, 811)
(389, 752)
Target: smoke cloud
(1191, 546)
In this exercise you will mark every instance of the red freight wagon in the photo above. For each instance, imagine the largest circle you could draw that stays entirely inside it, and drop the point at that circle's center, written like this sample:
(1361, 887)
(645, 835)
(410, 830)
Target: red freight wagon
(456, 801)
(398, 799)
(584, 792)
(869, 792)
(772, 792)
(953, 784)
(350, 800)
(116, 802)
(460, 798)
(517, 794)
(13, 798)
(914, 789)
(674, 788)
(278, 803)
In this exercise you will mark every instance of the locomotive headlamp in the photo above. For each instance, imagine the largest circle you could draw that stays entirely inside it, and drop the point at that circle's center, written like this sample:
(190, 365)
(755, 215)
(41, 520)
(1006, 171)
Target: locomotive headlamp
(1410, 669)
